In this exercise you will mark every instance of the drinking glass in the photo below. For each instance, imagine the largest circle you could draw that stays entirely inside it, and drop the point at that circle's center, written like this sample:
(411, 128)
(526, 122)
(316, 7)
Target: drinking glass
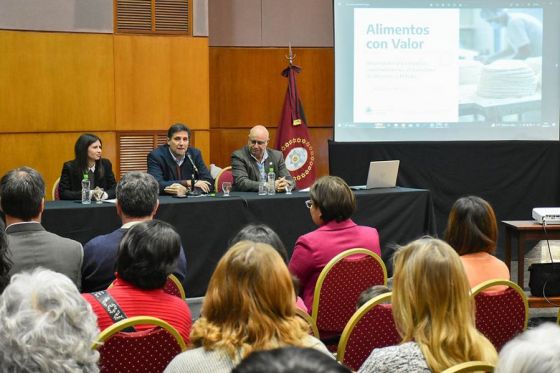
(262, 188)
(289, 186)
(226, 187)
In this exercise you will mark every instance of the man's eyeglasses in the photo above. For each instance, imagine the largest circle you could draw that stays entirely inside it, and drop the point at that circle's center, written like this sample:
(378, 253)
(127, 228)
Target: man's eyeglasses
(308, 203)
(258, 142)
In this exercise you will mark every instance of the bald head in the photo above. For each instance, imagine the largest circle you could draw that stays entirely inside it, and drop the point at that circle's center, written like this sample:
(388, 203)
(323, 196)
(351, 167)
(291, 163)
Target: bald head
(259, 131)
(258, 140)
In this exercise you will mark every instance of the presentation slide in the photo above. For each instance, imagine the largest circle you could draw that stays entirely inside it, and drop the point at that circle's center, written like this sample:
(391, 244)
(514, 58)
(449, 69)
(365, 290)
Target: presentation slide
(434, 71)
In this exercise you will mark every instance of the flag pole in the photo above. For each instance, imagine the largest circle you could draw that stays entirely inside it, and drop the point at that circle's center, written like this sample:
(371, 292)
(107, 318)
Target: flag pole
(291, 57)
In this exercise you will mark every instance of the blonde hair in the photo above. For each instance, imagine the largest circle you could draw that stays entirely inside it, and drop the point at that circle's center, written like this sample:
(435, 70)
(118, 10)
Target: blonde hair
(249, 304)
(432, 306)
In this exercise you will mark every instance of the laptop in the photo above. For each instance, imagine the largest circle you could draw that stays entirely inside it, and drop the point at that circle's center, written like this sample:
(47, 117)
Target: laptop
(382, 174)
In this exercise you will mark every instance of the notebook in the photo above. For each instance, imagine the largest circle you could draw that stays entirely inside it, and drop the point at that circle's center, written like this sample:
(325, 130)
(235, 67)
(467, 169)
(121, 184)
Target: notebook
(382, 174)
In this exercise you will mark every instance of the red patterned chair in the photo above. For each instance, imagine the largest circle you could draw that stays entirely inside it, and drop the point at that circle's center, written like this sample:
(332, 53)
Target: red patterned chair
(55, 191)
(372, 326)
(225, 174)
(338, 287)
(500, 315)
(174, 287)
(144, 351)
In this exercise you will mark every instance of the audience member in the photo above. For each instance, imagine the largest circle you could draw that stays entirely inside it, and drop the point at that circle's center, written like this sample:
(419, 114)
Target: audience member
(289, 360)
(371, 293)
(137, 201)
(46, 325)
(535, 351)
(472, 231)
(331, 206)
(176, 164)
(251, 163)
(87, 153)
(264, 234)
(147, 254)
(22, 199)
(249, 306)
(5, 262)
(433, 312)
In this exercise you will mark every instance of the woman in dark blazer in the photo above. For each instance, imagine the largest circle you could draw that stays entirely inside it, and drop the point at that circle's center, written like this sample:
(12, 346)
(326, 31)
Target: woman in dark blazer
(87, 160)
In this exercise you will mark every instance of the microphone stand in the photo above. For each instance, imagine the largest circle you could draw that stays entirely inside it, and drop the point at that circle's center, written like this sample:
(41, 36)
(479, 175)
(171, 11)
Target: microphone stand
(193, 192)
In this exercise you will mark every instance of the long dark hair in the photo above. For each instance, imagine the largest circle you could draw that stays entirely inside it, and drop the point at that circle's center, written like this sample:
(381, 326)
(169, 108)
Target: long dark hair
(81, 151)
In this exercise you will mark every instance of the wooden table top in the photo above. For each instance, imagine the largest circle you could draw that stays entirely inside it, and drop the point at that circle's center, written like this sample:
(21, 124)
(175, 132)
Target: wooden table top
(529, 225)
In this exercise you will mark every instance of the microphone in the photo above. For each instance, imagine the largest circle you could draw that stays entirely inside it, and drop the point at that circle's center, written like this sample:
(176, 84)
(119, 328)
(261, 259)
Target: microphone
(193, 165)
(194, 176)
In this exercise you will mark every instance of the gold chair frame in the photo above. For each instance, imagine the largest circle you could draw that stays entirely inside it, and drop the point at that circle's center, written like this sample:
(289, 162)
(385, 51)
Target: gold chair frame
(471, 366)
(137, 320)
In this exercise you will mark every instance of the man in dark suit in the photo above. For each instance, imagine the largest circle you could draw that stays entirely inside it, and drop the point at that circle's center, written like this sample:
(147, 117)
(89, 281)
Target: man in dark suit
(176, 164)
(137, 201)
(252, 162)
(22, 199)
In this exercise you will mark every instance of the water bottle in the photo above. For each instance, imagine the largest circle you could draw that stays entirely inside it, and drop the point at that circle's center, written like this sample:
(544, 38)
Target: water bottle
(271, 180)
(86, 195)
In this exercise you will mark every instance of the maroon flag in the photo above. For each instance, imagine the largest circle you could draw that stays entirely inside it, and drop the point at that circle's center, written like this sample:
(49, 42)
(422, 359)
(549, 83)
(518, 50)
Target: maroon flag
(293, 137)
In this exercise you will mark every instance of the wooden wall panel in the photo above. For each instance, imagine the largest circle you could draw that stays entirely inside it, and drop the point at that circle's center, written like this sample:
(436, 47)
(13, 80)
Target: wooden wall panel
(247, 88)
(47, 152)
(160, 80)
(56, 82)
(225, 141)
(202, 142)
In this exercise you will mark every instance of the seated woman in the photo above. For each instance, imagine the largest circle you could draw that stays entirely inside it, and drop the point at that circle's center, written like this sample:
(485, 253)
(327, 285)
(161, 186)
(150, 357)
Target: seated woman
(249, 306)
(433, 313)
(264, 234)
(331, 206)
(148, 253)
(46, 325)
(88, 160)
(473, 232)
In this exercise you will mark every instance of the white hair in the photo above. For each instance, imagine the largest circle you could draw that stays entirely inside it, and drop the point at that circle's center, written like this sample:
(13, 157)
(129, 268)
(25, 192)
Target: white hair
(46, 325)
(535, 351)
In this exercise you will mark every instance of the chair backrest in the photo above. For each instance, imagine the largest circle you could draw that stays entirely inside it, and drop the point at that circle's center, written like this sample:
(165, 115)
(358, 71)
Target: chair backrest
(471, 366)
(145, 351)
(312, 327)
(225, 174)
(55, 191)
(174, 287)
(372, 326)
(340, 284)
(500, 315)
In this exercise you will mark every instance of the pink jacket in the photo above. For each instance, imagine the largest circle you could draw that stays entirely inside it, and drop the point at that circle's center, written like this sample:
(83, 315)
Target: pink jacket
(315, 249)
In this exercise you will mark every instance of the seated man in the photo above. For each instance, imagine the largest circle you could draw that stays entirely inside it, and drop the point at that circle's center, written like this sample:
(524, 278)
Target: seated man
(137, 201)
(22, 199)
(147, 254)
(176, 164)
(251, 163)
